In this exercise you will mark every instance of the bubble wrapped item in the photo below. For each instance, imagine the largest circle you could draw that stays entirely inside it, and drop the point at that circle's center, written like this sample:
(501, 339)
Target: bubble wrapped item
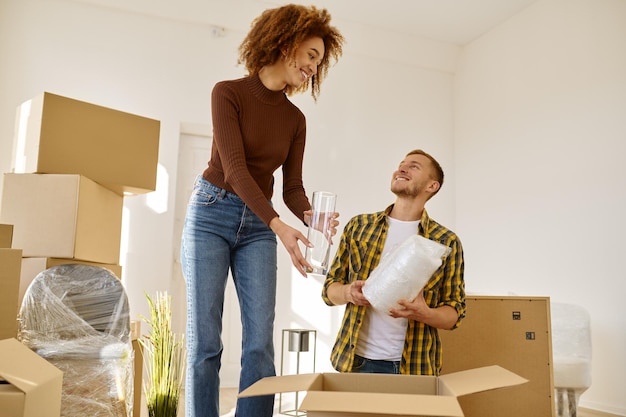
(571, 350)
(404, 272)
(77, 317)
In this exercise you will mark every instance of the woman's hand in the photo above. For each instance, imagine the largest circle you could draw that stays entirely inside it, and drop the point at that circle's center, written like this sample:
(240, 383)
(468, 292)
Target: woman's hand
(289, 238)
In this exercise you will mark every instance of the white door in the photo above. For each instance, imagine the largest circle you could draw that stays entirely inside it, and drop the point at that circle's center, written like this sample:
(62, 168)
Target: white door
(194, 153)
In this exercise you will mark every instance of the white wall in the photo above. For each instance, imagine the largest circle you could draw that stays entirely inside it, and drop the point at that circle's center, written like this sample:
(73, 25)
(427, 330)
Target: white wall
(540, 138)
(543, 93)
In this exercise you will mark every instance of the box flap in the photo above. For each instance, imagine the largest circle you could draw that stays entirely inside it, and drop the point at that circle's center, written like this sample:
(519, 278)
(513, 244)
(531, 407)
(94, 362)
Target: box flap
(40, 381)
(478, 380)
(381, 404)
(23, 368)
(285, 383)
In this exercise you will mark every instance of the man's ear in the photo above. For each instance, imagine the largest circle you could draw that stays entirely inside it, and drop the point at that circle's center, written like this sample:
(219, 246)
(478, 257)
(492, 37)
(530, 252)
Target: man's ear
(434, 186)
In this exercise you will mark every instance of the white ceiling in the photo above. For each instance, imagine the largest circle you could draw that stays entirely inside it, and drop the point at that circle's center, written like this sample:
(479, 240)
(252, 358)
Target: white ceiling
(451, 21)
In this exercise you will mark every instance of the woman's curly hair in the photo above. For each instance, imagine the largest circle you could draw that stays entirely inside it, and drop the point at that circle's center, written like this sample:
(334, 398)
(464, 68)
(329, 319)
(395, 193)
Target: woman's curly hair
(284, 29)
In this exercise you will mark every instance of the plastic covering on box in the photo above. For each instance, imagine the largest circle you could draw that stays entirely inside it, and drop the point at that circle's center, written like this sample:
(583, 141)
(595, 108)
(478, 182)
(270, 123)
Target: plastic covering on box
(571, 350)
(77, 317)
(404, 272)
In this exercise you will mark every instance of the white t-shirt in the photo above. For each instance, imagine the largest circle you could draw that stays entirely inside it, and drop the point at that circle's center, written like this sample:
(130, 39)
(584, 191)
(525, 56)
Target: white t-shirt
(381, 336)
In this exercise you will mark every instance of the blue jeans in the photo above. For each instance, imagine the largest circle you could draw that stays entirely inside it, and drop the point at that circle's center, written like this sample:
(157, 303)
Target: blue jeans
(370, 366)
(221, 233)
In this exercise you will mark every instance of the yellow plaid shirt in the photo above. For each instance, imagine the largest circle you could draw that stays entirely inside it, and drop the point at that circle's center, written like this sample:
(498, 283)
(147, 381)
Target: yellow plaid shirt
(358, 254)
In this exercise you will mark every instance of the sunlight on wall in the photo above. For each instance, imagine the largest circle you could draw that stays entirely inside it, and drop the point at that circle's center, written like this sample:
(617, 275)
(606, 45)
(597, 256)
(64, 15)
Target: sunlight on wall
(308, 311)
(157, 200)
(124, 239)
(19, 151)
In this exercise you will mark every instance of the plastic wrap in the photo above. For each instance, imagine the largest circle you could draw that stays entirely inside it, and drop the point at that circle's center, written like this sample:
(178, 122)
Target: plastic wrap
(404, 272)
(571, 350)
(571, 346)
(77, 317)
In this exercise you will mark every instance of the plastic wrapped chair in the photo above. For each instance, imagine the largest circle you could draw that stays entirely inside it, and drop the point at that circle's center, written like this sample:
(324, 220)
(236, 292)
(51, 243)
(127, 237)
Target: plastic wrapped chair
(77, 317)
(571, 349)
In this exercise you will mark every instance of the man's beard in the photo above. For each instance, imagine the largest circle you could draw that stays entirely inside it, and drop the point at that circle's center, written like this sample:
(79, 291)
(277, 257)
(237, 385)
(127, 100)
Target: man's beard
(406, 191)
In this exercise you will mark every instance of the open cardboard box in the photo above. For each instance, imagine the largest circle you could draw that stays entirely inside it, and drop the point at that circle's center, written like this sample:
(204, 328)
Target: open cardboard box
(29, 385)
(384, 395)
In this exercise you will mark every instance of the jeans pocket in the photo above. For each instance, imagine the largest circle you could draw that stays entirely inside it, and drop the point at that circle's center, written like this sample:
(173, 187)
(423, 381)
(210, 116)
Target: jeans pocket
(202, 197)
(358, 363)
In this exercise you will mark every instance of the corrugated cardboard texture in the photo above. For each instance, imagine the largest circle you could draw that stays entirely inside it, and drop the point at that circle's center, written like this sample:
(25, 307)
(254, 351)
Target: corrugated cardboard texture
(515, 333)
(63, 216)
(116, 149)
(10, 266)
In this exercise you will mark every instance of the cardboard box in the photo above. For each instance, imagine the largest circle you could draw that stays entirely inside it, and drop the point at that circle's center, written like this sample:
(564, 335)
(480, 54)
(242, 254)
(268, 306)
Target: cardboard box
(135, 335)
(60, 135)
(6, 235)
(33, 387)
(31, 267)
(384, 395)
(512, 332)
(10, 266)
(63, 216)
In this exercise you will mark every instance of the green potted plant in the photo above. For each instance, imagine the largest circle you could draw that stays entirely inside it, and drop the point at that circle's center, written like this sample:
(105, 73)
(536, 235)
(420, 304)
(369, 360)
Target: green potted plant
(164, 359)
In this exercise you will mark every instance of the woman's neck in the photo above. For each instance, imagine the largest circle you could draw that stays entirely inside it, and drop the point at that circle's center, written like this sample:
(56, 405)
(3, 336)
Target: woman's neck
(271, 77)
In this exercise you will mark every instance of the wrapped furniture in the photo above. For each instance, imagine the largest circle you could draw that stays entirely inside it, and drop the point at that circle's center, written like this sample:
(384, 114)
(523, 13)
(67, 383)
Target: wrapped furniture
(571, 349)
(77, 317)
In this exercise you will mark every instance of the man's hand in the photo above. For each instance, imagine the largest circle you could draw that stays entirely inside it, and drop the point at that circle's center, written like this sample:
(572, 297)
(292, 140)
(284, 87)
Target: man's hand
(416, 310)
(340, 294)
(443, 317)
(353, 293)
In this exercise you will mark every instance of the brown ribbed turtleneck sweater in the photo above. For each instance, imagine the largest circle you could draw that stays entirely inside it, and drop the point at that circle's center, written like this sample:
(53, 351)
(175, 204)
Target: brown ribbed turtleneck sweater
(255, 131)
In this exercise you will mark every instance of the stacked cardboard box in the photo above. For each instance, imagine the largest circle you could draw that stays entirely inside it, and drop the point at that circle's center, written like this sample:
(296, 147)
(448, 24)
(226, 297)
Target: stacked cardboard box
(73, 164)
(10, 268)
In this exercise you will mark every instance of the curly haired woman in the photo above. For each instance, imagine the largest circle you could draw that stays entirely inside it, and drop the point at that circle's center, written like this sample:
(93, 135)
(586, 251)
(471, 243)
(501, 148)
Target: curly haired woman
(230, 221)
